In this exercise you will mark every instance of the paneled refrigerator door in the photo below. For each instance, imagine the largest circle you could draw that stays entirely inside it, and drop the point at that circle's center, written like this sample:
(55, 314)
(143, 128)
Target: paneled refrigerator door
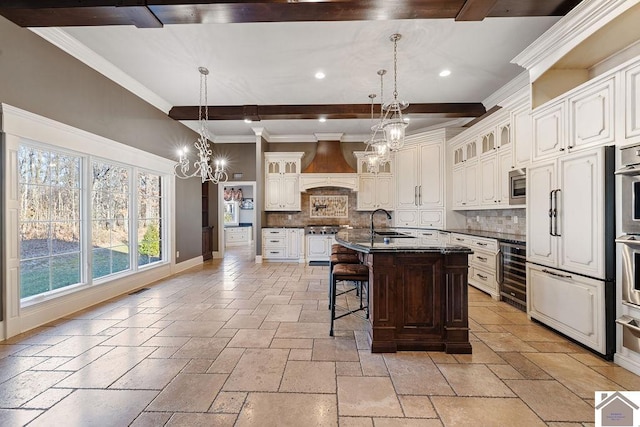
(581, 213)
(542, 243)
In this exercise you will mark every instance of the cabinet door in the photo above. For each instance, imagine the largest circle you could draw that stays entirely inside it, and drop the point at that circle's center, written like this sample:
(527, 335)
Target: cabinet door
(367, 192)
(430, 186)
(384, 191)
(458, 186)
(290, 193)
(406, 217)
(581, 202)
(541, 245)
(572, 304)
(632, 103)
(272, 192)
(521, 136)
(432, 218)
(549, 135)
(505, 163)
(591, 116)
(470, 184)
(406, 171)
(488, 170)
(317, 248)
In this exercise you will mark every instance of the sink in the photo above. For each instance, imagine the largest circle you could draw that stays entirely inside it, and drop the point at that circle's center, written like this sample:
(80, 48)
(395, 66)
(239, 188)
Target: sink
(392, 234)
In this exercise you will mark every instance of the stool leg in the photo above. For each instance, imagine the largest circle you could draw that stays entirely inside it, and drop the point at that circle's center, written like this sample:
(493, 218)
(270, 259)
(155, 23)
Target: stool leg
(367, 309)
(332, 303)
(360, 286)
(330, 282)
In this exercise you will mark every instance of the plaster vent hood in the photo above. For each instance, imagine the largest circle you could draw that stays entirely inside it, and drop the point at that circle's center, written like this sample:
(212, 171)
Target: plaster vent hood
(328, 168)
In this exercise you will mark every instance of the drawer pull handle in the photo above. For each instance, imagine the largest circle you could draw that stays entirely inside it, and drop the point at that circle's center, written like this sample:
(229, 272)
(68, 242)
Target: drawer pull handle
(483, 259)
(566, 276)
(274, 241)
(481, 244)
(481, 276)
(459, 239)
(273, 252)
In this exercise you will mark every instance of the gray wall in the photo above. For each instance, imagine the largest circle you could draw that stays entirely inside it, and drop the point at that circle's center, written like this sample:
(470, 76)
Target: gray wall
(40, 78)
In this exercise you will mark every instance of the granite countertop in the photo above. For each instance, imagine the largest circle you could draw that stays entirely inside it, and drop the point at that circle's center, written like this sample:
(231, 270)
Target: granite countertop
(360, 239)
(503, 237)
(242, 224)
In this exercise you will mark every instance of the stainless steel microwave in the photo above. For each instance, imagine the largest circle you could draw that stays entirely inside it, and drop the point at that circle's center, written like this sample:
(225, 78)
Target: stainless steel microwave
(518, 187)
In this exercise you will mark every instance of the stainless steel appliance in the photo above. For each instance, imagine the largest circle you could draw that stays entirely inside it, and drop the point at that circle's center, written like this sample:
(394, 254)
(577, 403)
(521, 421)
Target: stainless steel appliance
(321, 229)
(630, 268)
(512, 276)
(518, 187)
(630, 189)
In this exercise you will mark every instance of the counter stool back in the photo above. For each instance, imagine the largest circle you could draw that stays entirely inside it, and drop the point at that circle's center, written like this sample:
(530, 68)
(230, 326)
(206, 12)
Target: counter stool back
(349, 272)
(340, 258)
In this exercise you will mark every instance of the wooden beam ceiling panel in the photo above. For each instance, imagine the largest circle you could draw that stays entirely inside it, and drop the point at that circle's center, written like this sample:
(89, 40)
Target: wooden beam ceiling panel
(330, 111)
(155, 13)
(475, 10)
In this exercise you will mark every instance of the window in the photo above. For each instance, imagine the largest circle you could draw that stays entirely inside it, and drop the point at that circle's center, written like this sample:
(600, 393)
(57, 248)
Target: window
(50, 220)
(110, 219)
(149, 218)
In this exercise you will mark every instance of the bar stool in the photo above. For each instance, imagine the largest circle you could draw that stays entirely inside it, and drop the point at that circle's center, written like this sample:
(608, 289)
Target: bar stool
(340, 258)
(337, 248)
(352, 272)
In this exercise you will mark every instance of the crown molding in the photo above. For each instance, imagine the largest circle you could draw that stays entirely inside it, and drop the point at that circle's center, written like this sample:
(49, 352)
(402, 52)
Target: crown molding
(571, 30)
(506, 91)
(234, 139)
(82, 53)
(334, 136)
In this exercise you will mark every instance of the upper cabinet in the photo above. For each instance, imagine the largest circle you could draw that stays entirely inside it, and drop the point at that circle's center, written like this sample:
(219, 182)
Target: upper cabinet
(631, 90)
(375, 190)
(282, 174)
(521, 135)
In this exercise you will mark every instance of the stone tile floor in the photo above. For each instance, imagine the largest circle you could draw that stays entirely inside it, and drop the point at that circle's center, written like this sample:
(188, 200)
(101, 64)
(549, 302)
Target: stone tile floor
(235, 343)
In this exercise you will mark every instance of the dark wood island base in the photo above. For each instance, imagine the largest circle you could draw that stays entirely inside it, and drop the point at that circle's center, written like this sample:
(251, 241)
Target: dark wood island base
(418, 298)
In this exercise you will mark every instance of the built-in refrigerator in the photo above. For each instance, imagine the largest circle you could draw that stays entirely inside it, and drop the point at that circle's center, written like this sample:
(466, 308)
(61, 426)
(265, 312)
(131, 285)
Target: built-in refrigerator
(571, 246)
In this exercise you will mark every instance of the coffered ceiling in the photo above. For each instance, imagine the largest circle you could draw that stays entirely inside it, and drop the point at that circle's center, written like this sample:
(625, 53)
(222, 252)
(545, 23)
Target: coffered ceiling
(263, 55)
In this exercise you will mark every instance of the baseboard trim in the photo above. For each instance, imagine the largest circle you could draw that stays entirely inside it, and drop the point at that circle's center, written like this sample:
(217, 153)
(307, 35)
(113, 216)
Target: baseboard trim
(185, 265)
(258, 259)
(627, 363)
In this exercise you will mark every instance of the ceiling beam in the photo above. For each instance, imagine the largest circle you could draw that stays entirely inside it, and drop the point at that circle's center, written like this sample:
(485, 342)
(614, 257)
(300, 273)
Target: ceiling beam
(329, 111)
(475, 10)
(156, 13)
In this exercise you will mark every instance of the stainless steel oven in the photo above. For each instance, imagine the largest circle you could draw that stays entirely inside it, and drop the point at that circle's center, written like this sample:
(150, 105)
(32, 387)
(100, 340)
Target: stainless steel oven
(630, 189)
(518, 187)
(630, 268)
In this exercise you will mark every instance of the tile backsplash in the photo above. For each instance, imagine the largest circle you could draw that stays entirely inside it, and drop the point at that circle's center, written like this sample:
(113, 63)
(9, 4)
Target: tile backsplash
(498, 220)
(354, 218)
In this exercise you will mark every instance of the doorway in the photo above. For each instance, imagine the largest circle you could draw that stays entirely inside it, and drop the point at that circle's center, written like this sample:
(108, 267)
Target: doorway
(236, 217)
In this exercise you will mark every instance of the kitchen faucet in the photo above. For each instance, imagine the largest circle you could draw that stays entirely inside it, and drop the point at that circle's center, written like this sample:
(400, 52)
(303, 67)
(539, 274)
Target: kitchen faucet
(381, 210)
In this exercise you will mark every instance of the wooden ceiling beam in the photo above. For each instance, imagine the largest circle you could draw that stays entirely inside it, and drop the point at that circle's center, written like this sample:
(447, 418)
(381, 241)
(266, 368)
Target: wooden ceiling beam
(156, 13)
(330, 111)
(475, 10)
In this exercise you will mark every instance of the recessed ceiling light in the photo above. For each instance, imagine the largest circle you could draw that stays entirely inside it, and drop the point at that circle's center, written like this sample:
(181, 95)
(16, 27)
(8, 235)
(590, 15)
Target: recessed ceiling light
(320, 75)
(322, 119)
(248, 120)
(445, 73)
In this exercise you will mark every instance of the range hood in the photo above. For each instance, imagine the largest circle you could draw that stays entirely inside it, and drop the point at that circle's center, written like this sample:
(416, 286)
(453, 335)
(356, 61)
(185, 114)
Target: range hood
(328, 169)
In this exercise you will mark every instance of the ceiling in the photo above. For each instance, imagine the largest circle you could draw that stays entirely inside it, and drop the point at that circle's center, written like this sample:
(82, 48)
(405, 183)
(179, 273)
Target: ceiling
(266, 69)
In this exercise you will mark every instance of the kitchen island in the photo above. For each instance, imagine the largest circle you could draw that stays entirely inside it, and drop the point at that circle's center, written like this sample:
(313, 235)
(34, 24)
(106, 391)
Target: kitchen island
(417, 292)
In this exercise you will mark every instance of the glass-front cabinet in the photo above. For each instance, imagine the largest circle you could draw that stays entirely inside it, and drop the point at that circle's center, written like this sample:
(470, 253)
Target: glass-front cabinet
(231, 213)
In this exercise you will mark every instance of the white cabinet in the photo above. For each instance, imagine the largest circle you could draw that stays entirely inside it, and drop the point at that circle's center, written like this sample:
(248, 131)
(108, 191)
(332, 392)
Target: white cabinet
(319, 247)
(582, 119)
(569, 303)
(482, 262)
(521, 136)
(375, 190)
(282, 173)
(631, 91)
(237, 236)
(465, 185)
(286, 244)
(565, 209)
(549, 130)
(420, 184)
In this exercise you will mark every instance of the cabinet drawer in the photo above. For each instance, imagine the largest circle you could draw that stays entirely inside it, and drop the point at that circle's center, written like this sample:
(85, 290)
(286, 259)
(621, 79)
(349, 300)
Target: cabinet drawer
(483, 277)
(274, 242)
(236, 237)
(274, 253)
(273, 232)
(486, 244)
(484, 260)
(461, 239)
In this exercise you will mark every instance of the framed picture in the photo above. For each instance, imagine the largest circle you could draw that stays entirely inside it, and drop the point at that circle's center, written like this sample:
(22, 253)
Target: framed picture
(246, 203)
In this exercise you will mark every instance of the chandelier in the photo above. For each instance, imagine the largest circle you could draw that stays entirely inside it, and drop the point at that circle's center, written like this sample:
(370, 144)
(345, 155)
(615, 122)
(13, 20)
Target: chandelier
(202, 167)
(393, 123)
(377, 151)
